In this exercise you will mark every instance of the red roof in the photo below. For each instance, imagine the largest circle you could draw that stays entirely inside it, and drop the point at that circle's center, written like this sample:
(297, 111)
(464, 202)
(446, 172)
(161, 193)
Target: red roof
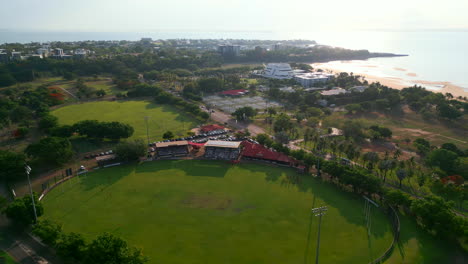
(234, 92)
(197, 145)
(258, 151)
(209, 128)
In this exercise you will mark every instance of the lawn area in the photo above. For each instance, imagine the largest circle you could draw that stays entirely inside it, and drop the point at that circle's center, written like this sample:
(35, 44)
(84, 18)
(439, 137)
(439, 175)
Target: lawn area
(161, 117)
(5, 258)
(189, 211)
(411, 126)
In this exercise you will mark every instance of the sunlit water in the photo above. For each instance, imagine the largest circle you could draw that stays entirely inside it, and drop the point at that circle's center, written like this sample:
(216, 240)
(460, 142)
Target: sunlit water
(433, 56)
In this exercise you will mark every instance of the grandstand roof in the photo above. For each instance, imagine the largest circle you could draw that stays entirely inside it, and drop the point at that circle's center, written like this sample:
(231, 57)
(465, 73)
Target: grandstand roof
(209, 128)
(172, 144)
(260, 152)
(106, 157)
(222, 144)
(235, 92)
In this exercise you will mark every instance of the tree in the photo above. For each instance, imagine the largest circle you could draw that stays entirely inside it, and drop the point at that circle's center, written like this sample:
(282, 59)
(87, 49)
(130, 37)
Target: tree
(48, 231)
(452, 147)
(48, 122)
(109, 249)
(282, 137)
(53, 150)
(12, 165)
(372, 158)
(101, 130)
(100, 93)
(71, 246)
(436, 215)
(442, 158)
(353, 108)
(449, 112)
(397, 198)
(401, 174)
(21, 211)
(61, 131)
(168, 135)
(271, 111)
(422, 145)
(6, 79)
(282, 123)
(353, 129)
(244, 113)
(264, 139)
(131, 150)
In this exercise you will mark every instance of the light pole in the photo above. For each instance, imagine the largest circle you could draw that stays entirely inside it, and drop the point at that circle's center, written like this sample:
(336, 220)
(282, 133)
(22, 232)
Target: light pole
(28, 170)
(319, 211)
(147, 132)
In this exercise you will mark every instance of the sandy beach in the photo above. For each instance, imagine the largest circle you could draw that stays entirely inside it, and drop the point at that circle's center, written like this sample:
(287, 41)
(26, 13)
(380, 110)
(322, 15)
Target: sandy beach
(399, 83)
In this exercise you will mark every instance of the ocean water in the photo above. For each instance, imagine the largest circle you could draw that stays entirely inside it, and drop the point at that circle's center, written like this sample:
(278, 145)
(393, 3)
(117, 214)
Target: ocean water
(433, 55)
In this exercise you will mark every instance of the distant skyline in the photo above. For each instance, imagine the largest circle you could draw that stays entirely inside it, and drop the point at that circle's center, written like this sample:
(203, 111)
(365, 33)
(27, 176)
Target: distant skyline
(239, 15)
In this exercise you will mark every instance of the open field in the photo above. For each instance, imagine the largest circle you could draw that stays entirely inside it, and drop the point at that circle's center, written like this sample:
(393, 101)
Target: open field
(213, 212)
(161, 117)
(412, 126)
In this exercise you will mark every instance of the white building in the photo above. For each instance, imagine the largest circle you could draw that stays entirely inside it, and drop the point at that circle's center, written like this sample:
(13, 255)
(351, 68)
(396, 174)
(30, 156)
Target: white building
(278, 71)
(310, 78)
(334, 91)
(44, 52)
(80, 53)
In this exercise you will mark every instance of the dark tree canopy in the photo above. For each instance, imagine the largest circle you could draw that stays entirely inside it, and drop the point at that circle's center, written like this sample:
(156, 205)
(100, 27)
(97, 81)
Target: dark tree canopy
(12, 165)
(21, 212)
(131, 150)
(109, 249)
(52, 150)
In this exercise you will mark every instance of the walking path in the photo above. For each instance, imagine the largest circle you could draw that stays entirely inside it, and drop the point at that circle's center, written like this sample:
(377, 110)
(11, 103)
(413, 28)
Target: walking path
(22, 247)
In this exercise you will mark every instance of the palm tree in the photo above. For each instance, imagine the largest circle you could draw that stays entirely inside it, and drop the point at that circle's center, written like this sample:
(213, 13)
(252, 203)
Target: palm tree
(397, 154)
(401, 174)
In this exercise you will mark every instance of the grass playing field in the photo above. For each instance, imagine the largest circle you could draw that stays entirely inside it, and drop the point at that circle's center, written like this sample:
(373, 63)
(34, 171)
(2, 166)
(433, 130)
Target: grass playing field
(161, 117)
(213, 212)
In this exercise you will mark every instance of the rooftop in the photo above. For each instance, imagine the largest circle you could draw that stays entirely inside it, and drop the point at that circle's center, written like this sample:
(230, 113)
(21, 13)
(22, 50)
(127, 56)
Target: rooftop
(222, 144)
(172, 144)
(235, 92)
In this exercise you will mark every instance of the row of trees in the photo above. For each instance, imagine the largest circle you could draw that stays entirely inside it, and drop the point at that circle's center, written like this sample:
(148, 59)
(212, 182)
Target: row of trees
(105, 249)
(124, 66)
(445, 223)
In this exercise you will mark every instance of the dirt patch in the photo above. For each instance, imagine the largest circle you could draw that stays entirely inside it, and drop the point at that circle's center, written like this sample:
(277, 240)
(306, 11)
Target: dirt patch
(379, 147)
(206, 201)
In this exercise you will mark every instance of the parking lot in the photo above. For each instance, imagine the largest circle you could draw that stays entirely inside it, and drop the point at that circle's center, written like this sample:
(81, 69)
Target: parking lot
(230, 104)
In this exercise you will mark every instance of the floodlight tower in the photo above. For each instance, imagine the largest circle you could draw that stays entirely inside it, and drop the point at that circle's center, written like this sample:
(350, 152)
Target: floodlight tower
(28, 170)
(147, 131)
(319, 211)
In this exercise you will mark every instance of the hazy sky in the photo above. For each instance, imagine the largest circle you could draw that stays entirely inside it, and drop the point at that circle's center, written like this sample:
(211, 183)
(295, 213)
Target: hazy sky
(234, 15)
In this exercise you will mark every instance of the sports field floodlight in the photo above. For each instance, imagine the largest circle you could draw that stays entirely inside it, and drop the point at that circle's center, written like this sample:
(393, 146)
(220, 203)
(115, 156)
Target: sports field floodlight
(147, 131)
(319, 211)
(28, 171)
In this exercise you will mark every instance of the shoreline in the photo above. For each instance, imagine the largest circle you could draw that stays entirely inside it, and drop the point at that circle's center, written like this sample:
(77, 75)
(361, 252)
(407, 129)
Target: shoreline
(400, 83)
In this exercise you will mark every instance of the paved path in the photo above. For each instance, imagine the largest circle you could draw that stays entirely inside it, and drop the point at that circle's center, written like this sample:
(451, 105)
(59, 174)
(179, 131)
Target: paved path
(22, 247)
